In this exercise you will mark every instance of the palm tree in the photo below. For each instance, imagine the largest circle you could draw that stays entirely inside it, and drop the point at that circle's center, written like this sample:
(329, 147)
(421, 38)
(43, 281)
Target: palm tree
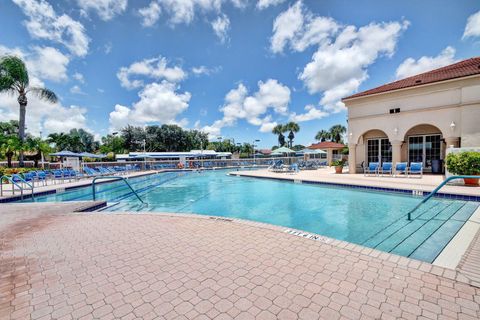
(39, 146)
(323, 135)
(294, 128)
(279, 129)
(336, 132)
(14, 80)
(8, 147)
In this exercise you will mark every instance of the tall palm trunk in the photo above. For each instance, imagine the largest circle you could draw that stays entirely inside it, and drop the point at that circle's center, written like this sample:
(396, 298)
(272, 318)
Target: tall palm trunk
(22, 100)
(9, 159)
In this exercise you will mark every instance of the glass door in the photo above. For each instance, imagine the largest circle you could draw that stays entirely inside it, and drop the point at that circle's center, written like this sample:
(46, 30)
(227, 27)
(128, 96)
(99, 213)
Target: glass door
(379, 150)
(424, 149)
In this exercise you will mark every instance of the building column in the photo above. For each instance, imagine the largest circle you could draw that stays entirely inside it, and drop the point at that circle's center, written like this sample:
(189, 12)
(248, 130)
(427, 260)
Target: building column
(396, 151)
(329, 156)
(452, 141)
(352, 158)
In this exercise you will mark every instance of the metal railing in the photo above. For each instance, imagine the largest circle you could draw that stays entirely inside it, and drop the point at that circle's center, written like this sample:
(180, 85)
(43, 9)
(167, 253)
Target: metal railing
(114, 178)
(435, 191)
(15, 184)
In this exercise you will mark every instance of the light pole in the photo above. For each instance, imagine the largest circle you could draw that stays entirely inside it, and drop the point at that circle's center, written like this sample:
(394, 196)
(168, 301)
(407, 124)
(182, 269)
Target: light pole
(254, 161)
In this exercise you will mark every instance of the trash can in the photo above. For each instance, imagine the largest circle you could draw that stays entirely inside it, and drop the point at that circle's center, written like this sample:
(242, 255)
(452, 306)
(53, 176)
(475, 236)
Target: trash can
(437, 166)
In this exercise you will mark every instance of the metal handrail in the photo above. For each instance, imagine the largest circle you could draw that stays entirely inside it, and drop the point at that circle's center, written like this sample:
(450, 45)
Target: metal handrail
(10, 179)
(114, 178)
(435, 191)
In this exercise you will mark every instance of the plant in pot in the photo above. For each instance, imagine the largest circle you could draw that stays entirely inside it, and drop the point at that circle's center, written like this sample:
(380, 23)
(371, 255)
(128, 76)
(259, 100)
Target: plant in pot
(465, 163)
(338, 164)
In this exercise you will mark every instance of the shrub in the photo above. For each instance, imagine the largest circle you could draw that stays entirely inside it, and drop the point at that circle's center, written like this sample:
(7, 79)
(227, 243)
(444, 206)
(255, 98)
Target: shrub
(464, 163)
(338, 163)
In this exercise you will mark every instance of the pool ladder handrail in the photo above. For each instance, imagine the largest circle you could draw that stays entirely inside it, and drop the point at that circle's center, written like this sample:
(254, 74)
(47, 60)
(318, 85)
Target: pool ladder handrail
(10, 179)
(435, 191)
(114, 178)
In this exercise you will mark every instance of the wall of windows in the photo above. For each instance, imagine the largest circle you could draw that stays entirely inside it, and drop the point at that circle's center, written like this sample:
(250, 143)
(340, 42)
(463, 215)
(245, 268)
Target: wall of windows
(424, 148)
(379, 150)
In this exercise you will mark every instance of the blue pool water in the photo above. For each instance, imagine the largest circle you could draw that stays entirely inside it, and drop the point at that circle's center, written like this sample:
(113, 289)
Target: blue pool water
(373, 219)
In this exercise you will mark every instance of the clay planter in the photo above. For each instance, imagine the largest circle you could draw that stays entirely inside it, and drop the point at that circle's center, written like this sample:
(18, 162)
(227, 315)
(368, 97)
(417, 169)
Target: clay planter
(471, 182)
(338, 169)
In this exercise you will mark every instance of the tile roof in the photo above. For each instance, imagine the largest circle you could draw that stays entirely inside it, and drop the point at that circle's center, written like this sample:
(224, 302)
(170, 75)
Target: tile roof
(326, 144)
(457, 70)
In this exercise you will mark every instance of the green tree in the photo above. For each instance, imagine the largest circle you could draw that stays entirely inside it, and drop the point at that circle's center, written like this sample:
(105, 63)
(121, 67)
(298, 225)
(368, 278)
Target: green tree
(293, 127)
(279, 130)
(336, 132)
(14, 80)
(8, 147)
(112, 143)
(323, 135)
(39, 146)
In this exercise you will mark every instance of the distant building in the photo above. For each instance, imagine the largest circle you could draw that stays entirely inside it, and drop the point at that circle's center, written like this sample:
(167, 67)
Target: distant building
(417, 118)
(333, 149)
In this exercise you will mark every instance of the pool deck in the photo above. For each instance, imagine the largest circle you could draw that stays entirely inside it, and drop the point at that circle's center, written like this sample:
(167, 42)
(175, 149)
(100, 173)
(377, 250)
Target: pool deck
(56, 264)
(327, 175)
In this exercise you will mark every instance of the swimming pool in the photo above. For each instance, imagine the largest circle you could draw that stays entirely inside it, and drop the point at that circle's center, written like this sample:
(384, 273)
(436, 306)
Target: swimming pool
(374, 219)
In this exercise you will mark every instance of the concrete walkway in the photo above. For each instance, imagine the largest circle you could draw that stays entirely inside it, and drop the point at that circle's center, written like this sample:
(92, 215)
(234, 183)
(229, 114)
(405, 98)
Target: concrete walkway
(60, 265)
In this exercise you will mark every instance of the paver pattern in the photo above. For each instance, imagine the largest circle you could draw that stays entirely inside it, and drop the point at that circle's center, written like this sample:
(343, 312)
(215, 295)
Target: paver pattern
(154, 266)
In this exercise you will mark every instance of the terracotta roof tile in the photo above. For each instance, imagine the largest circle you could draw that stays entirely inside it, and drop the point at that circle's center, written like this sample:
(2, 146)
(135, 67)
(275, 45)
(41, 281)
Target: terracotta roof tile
(457, 70)
(326, 144)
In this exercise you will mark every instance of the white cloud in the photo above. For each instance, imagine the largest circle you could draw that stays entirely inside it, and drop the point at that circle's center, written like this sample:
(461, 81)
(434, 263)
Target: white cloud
(472, 29)
(106, 9)
(339, 65)
(76, 90)
(312, 113)
(271, 95)
(220, 26)
(411, 67)
(79, 77)
(203, 70)
(45, 63)
(150, 14)
(159, 102)
(155, 68)
(45, 24)
(263, 4)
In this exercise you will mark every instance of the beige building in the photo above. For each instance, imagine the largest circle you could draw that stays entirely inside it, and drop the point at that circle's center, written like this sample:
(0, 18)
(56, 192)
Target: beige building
(417, 118)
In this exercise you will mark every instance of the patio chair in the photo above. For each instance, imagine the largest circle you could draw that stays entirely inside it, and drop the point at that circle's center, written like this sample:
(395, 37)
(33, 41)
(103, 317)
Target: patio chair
(416, 168)
(371, 169)
(401, 167)
(386, 168)
(293, 168)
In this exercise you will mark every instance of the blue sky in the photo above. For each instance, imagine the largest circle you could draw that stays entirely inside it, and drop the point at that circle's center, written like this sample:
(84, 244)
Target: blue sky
(233, 68)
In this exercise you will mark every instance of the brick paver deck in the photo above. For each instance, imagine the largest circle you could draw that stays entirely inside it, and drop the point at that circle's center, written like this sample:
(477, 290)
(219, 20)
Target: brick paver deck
(128, 266)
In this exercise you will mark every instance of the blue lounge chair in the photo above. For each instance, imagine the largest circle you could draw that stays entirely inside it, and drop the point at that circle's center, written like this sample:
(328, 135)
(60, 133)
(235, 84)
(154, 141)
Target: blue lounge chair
(401, 167)
(372, 168)
(386, 168)
(416, 168)
(293, 168)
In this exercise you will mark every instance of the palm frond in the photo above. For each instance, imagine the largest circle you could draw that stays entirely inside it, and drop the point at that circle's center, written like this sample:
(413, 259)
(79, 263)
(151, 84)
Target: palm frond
(14, 71)
(45, 94)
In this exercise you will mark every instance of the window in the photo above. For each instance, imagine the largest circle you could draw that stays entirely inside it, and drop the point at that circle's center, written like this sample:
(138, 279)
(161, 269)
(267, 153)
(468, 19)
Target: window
(379, 150)
(424, 149)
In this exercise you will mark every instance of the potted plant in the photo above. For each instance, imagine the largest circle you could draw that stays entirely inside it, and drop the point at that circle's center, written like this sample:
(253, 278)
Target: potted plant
(465, 163)
(338, 164)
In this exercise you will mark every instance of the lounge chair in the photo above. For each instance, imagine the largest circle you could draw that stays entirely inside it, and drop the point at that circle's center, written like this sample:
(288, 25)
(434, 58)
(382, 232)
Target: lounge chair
(371, 169)
(416, 168)
(401, 167)
(293, 168)
(386, 168)
(276, 167)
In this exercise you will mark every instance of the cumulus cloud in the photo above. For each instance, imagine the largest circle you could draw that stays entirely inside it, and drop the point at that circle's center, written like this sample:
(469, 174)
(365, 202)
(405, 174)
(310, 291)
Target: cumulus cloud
(271, 95)
(411, 67)
(76, 90)
(220, 26)
(312, 113)
(79, 77)
(344, 52)
(45, 63)
(106, 9)
(150, 14)
(159, 102)
(44, 23)
(155, 68)
(472, 29)
(263, 4)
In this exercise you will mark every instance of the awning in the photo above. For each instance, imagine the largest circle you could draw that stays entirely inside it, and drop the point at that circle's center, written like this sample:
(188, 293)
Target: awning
(282, 150)
(92, 155)
(65, 153)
